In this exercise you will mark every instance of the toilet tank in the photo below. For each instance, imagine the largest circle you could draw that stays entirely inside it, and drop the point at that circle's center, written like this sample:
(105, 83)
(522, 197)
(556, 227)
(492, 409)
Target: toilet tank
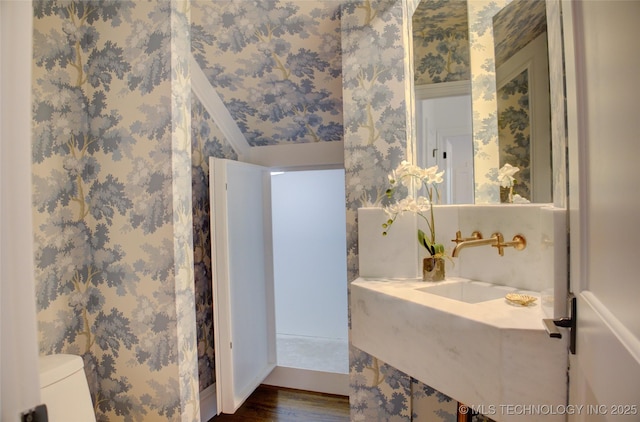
(64, 389)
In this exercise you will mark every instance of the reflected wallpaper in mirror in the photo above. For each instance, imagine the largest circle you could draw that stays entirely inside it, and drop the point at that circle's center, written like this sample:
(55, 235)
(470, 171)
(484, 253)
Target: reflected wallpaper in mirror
(443, 95)
(485, 116)
(522, 80)
(453, 41)
(441, 42)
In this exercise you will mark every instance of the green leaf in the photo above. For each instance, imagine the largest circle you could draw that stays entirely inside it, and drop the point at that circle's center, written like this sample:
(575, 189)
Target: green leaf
(438, 248)
(424, 241)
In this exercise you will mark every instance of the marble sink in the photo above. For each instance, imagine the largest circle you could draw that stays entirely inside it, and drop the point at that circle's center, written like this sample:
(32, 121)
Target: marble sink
(467, 291)
(464, 339)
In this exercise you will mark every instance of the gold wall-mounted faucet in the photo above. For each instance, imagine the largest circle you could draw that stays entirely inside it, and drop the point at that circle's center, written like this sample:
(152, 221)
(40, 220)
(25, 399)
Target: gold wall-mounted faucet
(518, 243)
(496, 240)
(475, 235)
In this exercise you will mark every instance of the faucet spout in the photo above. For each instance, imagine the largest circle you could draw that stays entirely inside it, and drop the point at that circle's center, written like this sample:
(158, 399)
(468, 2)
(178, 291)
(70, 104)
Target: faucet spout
(495, 239)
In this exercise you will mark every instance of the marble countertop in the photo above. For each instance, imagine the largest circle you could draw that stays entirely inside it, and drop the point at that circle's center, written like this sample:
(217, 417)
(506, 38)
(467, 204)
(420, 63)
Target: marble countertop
(487, 353)
(498, 312)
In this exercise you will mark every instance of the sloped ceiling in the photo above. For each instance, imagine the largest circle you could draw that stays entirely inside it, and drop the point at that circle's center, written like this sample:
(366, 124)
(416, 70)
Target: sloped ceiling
(441, 42)
(516, 25)
(276, 65)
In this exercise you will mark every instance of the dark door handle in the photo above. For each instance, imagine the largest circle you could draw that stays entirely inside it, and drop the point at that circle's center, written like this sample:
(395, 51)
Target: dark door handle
(551, 325)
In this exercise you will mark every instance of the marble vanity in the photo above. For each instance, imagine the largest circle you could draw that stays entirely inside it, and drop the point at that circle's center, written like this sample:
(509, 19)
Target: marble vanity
(487, 354)
(461, 336)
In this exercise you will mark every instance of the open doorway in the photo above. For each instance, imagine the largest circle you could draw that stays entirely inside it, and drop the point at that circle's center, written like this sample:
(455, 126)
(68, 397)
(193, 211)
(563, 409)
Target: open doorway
(310, 273)
(444, 138)
(246, 238)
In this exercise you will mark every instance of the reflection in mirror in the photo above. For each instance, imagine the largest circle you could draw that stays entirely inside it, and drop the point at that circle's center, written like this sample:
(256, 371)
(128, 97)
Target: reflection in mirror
(487, 161)
(443, 95)
(522, 83)
(438, 60)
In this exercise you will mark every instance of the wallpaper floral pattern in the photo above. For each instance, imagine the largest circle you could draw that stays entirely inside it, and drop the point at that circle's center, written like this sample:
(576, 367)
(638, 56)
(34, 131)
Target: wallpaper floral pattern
(514, 132)
(514, 27)
(441, 42)
(206, 141)
(277, 67)
(120, 177)
(483, 93)
(112, 201)
(377, 120)
(275, 64)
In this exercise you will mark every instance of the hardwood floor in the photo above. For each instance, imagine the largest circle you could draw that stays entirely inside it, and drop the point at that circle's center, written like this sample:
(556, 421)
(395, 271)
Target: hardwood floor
(277, 404)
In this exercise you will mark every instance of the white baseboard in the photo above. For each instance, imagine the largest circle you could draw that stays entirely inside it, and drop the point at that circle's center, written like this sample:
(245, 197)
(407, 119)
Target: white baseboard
(305, 379)
(208, 403)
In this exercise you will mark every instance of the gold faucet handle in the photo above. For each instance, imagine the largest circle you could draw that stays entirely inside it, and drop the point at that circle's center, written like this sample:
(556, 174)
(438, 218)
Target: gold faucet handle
(475, 235)
(518, 243)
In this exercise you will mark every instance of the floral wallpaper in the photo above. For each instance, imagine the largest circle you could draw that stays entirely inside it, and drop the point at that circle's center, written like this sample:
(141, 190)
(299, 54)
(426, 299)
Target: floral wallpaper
(483, 93)
(514, 131)
(120, 175)
(516, 26)
(377, 120)
(277, 67)
(441, 42)
(275, 64)
(112, 201)
(206, 141)
(485, 118)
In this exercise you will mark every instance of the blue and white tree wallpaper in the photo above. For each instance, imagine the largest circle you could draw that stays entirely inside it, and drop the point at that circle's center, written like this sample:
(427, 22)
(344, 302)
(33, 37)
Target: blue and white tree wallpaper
(514, 132)
(377, 124)
(112, 201)
(441, 42)
(276, 65)
(206, 141)
(120, 173)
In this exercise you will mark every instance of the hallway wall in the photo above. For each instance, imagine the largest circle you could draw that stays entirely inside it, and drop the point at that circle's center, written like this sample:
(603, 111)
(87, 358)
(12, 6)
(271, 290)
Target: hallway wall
(310, 269)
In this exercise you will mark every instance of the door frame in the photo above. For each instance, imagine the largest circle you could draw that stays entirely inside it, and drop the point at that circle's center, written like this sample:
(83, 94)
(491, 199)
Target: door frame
(605, 371)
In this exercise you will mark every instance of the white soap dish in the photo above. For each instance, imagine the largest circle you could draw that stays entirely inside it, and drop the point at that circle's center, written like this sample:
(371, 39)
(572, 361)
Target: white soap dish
(520, 299)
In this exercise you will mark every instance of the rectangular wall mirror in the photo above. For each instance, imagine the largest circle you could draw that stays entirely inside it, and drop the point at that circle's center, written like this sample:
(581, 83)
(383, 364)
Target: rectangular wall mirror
(471, 119)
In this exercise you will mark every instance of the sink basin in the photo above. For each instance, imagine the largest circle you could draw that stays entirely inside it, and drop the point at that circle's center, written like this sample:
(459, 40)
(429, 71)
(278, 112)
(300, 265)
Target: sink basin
(468, 291)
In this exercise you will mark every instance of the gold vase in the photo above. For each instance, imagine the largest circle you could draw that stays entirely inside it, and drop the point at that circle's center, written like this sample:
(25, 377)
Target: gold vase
(432, 269)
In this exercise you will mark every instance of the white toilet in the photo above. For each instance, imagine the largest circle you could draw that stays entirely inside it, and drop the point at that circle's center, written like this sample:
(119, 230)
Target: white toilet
(64, 389)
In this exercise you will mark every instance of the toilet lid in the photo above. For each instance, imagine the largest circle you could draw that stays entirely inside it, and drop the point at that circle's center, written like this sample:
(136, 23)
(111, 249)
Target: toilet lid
(53, 368)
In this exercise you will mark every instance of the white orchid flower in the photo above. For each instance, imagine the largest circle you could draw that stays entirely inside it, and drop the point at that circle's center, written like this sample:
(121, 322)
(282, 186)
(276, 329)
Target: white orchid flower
(505, 175)
(437, 178)
(410, 175)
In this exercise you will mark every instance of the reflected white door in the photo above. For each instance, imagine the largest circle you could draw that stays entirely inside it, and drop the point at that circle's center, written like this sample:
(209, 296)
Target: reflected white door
(444, 137)
(244, 317)
(603, 90)
(457, 161)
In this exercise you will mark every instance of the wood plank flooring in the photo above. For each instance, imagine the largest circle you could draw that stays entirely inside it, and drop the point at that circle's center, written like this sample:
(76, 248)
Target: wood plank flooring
(278, 404)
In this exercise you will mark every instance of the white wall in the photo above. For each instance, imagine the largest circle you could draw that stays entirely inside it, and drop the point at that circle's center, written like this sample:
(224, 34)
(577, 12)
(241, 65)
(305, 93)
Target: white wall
(309, 250)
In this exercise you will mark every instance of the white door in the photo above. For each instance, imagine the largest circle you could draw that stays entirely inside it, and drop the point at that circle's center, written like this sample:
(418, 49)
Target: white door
(444, 137)
(244, 318)
(603, 87)
(456, 158)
